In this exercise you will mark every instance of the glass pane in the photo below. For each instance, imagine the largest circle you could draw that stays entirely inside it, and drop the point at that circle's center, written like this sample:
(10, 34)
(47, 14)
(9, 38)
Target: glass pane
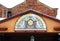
(30, 22)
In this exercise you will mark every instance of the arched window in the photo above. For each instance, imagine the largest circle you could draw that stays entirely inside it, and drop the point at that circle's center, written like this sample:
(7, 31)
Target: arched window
(30, 22)
(9, 14)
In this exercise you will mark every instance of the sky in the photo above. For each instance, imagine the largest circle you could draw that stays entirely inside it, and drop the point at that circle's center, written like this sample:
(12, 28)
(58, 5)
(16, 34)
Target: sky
(51, 3)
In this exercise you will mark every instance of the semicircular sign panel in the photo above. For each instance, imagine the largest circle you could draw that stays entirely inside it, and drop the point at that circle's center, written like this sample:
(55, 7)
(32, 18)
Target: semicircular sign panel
(30, 22)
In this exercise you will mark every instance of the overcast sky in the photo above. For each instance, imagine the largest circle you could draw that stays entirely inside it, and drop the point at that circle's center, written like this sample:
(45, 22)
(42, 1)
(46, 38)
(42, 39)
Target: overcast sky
(51, 3)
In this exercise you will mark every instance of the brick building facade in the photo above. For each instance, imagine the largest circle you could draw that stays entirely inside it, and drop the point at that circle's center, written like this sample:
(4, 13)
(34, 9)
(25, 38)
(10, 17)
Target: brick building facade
(29, 21)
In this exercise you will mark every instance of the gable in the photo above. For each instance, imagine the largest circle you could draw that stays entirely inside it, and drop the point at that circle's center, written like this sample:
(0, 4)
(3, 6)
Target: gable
(50, 23)
(34, 4)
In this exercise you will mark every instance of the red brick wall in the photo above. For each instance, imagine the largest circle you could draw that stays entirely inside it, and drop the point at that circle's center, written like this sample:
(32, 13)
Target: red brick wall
(31, 4)
(36, 5)
(2, 8)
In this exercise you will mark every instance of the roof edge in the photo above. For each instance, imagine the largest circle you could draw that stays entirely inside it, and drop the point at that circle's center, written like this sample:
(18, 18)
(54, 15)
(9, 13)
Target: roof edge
(32, 11)
(3, 6)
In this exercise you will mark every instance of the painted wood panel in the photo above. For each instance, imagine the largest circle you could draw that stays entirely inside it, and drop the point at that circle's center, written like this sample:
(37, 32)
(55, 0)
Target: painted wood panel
(10, 24)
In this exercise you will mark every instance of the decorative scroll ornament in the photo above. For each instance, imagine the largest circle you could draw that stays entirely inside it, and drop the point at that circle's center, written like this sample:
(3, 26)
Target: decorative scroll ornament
(30, 22)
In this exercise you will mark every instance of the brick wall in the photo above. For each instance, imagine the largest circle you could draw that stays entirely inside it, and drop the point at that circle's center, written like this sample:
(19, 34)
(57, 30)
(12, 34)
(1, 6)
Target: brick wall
(2, 8)
(30, 4)
(36, 5)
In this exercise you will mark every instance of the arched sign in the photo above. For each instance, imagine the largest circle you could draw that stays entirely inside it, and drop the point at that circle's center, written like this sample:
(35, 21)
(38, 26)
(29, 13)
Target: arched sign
(30, 22)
